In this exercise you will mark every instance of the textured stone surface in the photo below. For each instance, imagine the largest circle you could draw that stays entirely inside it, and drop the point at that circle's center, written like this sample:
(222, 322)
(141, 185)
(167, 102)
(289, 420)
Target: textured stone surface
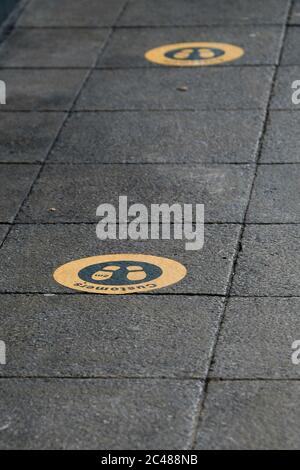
(160, 137)
(52, 47)
(31, 90)
(42, 249)
(83, 13)
(174, 12)
(269, 262)
(224, 190)
(3, 231)
(89, 336)
(275, 198)
(281, 141)
(283, 91)
(128, 46)
(98, 414)
(290, 54)
(15, 183)
(27, 139)
(295, 16)
(256, 339)
(213, 88)
(250, 415)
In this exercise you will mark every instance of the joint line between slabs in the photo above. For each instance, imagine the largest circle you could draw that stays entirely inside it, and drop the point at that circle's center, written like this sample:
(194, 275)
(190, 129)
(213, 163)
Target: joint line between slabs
(165, 294)
(67, 115)
(150, 377)
(86, 222)
(203, 397)
(104, 68)
(163, 26)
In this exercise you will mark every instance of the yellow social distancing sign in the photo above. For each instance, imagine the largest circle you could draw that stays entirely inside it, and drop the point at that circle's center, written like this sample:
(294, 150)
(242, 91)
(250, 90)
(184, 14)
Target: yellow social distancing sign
(194, 54)
(119, 273)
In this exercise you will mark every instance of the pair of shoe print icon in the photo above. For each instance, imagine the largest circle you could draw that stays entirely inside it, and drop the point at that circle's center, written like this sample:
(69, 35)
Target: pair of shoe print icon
(133, 273)
(195, 53)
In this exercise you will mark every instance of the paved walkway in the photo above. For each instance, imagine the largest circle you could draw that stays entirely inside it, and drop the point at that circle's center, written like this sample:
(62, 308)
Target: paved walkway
(205, 363)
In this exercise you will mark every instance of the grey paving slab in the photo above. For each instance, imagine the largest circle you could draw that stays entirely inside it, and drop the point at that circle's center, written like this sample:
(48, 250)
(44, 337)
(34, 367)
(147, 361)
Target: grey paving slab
(88, 336)
(212, 88)
(283, 91)
(206, 12)
(250, 415)
(3, 231)
(281, 143)
(256, 339)
(6, 8)
(275, 197)
(160, 137)
(27, 138)
(223, 189)
(42, 249)
(290, 54)
(52, 47)
(15, 183)
(295, 15)
(84, 13)
(98, 414)
(269, 262)
(127, 47)
(37, 89)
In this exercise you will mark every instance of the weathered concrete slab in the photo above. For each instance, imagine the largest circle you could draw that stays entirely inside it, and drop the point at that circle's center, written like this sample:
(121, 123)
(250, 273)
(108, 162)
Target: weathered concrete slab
(208, 12)
(127, 46)
(25, 138)
(281, 144)
(295, 15)
(15, 183)
(42, 249)
(97, 414)
(159, 89)
(89, 336)
(52, 47)
(283, 91)
(250, 415)
(3, 231)
(275, 197)
(83, 13)
(223, 189)
(39, 90)
(160, 137)
(290, 54)
(269, 262)
(256, 339)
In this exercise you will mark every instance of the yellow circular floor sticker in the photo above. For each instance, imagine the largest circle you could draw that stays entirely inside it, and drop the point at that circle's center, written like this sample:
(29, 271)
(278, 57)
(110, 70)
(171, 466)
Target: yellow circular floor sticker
(119, 274)
(194, 54)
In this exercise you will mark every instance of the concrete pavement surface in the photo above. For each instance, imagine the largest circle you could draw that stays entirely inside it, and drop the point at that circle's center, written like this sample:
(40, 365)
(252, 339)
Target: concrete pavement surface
(202, 364)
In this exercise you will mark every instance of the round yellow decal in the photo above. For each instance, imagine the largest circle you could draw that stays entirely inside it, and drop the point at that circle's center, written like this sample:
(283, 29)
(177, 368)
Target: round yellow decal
(194, 54)
(119, 274)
